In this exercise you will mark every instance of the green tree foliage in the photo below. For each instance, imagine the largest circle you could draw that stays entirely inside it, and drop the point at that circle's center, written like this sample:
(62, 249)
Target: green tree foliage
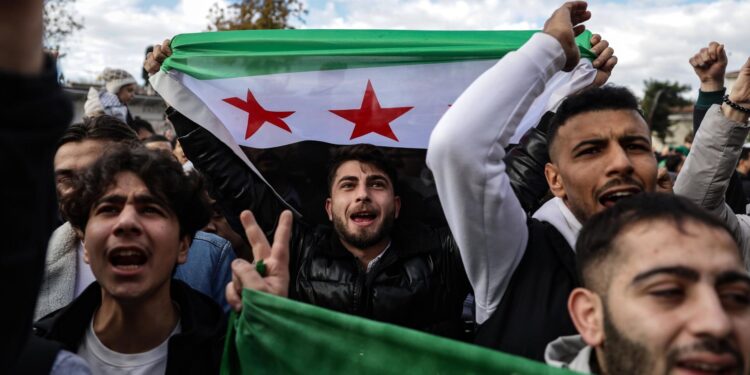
(59, 22)
(659, 99)
(255, 14)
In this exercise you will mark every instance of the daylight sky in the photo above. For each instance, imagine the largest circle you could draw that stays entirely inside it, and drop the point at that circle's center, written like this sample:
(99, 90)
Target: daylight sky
(652, 39)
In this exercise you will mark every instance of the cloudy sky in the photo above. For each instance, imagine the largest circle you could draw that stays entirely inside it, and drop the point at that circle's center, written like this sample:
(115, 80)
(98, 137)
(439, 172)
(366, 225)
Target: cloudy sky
(652, 39)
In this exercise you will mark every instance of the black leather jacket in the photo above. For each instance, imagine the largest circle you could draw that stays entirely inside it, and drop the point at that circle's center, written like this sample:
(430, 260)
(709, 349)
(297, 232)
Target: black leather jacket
(419, 283)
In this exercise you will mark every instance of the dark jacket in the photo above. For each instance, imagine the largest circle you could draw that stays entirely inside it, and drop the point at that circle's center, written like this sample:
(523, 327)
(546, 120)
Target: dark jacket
(419, 283)
(533, 311)
(195, 350)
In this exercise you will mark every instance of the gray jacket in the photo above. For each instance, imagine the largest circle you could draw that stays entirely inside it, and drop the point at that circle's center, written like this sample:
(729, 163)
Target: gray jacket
(704, 178)
(569, 352)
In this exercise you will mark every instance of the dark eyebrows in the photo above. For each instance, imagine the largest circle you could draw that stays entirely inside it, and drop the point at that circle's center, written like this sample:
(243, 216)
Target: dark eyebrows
(679, 271)
(141, 199)
(634, 138)
(730, 277)
(346, 178)
(112, 198)
(377, 177)
(590, 142)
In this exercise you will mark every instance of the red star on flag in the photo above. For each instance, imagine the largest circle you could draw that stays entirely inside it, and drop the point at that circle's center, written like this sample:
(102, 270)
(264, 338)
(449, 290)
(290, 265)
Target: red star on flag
(257, 115)
(371, 117)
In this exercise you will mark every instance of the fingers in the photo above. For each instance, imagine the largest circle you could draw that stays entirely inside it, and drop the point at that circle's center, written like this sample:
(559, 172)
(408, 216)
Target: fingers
(244, 276)
(280, 249)
(234, 298)
(258, 242)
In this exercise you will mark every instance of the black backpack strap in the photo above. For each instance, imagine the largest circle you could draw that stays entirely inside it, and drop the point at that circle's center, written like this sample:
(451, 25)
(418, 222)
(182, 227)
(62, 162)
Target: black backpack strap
(38, 356)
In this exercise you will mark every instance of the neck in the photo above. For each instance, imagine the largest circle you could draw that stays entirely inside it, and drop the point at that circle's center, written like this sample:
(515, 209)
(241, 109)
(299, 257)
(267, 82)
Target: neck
(135, 326)
(366, 255)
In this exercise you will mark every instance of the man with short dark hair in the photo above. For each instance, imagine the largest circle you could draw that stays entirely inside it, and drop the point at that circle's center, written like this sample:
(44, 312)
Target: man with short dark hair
(66, 273)
(158, 142)
(138, 212)
(663, 290)
(522, 269)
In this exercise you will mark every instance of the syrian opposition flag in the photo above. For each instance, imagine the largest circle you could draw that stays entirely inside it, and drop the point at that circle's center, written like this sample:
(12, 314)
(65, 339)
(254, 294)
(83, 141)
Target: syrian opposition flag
(269, 88)
(274, 335)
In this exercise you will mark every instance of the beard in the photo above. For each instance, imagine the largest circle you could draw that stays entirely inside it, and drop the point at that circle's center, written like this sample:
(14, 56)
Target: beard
(624, 356)
(367, 237)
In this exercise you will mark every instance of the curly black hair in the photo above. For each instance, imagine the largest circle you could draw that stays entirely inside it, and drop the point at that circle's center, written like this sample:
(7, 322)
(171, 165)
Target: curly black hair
(181, 193)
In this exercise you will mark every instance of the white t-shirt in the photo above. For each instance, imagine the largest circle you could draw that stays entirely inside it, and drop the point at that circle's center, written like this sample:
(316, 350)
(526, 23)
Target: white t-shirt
(103, 360)
(84, 276)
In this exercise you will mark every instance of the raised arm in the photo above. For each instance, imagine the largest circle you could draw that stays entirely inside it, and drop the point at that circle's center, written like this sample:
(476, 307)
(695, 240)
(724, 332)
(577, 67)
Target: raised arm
(467, 148)
(716, 149)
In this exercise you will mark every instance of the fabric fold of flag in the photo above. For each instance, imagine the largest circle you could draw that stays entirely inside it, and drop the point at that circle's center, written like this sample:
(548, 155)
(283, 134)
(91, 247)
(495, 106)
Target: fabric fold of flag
(274, 335)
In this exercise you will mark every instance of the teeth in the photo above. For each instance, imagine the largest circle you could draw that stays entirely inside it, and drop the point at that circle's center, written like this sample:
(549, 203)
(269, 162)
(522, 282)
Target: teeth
(621, 194)
(704, 367)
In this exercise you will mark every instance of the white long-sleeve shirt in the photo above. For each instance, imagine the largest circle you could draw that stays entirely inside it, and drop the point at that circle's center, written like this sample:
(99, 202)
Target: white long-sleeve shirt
(466, 152)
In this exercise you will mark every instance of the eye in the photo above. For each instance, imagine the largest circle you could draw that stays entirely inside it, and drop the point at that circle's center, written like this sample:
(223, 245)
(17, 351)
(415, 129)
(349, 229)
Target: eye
(735, 297)
(377, 184)
(153, 209)
(668, 294)
(346, 185)
(588, 151)
(638, 147)
(104, 209)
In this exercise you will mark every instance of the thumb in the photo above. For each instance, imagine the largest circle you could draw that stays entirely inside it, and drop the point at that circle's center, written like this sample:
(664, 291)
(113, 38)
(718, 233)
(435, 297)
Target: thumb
(244, 276)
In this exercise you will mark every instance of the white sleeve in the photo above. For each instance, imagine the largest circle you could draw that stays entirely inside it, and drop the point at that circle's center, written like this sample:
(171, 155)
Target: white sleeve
(466, 153)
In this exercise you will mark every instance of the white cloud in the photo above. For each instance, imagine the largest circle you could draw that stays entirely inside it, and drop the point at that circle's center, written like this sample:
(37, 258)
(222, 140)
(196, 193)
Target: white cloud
(652, 39)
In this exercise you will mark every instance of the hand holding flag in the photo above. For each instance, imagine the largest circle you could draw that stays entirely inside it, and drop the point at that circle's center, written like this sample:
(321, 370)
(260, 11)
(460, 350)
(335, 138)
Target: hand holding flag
(275, 257)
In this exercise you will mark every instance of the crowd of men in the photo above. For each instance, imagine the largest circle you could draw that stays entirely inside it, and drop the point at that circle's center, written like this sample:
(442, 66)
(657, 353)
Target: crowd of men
(572, 248)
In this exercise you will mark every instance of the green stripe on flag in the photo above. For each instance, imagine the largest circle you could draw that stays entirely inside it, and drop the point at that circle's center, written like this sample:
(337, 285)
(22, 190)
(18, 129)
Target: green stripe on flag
(231, 54)
(274, 335)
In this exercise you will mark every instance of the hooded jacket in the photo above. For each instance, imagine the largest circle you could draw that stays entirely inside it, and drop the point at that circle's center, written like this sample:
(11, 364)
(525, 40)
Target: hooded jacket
(569, 352)
(195, 350)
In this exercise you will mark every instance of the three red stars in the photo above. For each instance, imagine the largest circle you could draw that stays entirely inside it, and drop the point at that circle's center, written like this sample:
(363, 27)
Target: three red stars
(371, 117)
(257, 115)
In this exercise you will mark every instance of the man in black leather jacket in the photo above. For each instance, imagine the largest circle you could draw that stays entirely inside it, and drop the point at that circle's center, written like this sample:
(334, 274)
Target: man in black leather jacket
(368, 263)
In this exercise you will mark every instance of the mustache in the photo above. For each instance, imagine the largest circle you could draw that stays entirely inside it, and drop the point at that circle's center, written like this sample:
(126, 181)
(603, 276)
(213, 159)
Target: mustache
(709, 344)
(615, 182)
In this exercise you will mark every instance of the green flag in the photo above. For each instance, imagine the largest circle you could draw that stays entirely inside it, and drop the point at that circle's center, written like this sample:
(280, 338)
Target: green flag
(274, 335)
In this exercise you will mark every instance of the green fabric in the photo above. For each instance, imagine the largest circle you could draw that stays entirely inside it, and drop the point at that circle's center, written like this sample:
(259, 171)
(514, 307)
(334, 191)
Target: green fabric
(708, 98)
(231, 54)
(274, 335)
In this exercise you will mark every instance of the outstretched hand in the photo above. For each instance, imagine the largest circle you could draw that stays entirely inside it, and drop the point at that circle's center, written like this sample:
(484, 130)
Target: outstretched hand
(605, 60)
(710, 64)
(564, 25)
(275, 257)
(156, 57)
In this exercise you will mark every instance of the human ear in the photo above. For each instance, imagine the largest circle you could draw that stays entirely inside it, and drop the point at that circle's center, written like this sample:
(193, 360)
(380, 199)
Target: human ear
(586, 310)
(396, 206)
(554, 180)
(184, 246)
(328, 209)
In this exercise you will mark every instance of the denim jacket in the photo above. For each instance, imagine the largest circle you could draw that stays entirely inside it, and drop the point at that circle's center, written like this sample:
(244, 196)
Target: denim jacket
(207, 269)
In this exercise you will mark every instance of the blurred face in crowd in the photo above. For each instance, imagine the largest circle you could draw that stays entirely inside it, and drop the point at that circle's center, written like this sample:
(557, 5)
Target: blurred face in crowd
(126, 93)
(160, 145)
(73, 158)
(132, 240)
(179, 154)
(219, 226)
(362, 205)
(677, 302)
(599, 157)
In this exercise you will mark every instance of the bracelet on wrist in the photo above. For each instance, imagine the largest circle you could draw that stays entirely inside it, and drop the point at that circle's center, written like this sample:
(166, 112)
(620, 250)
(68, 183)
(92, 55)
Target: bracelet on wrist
(736, 106)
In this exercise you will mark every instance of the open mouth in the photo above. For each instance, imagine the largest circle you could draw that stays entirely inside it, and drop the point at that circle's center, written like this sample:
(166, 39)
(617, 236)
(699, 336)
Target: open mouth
(695, 367)
(127, 259)
(363, 217)
(609, 199)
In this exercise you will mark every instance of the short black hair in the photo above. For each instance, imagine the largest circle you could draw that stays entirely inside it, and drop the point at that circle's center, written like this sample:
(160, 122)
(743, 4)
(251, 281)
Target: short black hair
(139, 123)
(156, 138)
(607, 97)
(597, 237)
(673, 161)
(363, 153)
(181, 193)
(104, 128)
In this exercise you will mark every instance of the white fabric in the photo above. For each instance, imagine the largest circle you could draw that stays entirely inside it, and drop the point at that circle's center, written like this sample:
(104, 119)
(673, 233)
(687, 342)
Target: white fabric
(371, 264)
(569, 352)
(466, 153)
(105, 361)
(84, 276)
(559, 215)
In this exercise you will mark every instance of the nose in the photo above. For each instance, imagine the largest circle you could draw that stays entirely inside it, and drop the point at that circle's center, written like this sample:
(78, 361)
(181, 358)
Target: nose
(362, 193)
(619, 162)
(709, 317)
(128, 222)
